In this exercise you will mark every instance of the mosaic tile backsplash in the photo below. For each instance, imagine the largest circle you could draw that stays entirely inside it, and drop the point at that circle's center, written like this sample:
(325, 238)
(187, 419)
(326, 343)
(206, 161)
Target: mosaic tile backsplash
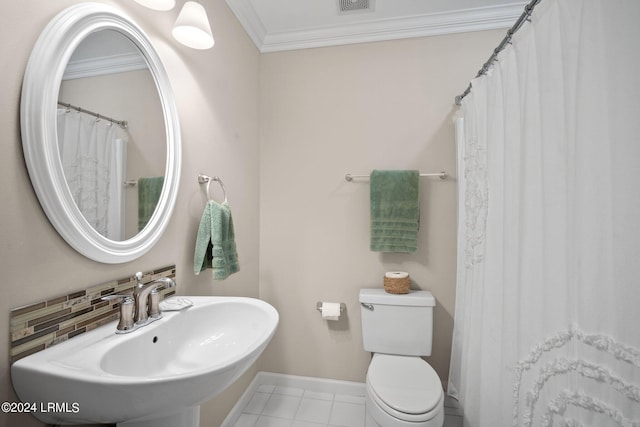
(41, 325)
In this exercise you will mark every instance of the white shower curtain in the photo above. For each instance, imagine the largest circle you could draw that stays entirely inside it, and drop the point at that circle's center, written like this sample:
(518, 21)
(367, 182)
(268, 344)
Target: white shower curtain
(547, 319)
(93, 154)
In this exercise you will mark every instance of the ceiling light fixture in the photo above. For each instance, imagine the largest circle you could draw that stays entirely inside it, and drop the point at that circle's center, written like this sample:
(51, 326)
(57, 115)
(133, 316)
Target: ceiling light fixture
(192, 27)
(157, 4)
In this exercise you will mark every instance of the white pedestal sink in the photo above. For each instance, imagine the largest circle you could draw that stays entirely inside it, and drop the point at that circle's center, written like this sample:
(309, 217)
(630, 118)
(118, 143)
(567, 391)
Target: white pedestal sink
(155, 376)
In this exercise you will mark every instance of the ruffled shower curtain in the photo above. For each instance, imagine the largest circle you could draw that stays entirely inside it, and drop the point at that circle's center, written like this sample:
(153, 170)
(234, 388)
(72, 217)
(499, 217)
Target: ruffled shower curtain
(547, 319)
(93, 154)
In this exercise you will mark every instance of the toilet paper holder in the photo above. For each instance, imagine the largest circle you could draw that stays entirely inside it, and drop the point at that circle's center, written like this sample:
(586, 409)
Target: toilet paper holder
(343, 306)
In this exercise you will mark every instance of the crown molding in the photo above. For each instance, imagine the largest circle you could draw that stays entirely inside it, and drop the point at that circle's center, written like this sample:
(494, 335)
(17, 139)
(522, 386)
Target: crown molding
(250, 21)
(104, 65)
(477, 19)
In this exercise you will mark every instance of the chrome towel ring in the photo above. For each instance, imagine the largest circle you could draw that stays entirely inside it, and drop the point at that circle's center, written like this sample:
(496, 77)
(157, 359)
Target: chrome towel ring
(206, 179)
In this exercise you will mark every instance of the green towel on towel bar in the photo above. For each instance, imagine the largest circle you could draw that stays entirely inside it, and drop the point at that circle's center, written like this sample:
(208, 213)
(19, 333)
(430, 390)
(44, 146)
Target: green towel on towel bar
(149, 190)
(215, 243)
(395, 211)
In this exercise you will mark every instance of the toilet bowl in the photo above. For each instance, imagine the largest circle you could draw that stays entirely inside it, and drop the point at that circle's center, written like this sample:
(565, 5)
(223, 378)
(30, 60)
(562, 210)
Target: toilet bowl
(403, 391)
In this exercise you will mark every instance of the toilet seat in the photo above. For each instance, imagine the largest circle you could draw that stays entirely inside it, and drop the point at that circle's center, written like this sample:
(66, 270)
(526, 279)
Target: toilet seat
(405, 387)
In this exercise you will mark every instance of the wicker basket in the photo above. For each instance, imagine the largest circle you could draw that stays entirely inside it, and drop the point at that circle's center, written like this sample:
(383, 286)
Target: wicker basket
(397, 286)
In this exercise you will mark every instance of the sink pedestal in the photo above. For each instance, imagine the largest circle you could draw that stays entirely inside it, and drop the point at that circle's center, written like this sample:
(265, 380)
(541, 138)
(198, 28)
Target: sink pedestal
(189, 417)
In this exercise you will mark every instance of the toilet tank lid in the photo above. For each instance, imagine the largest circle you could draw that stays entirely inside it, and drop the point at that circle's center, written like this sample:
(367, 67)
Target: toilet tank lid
(413, 298)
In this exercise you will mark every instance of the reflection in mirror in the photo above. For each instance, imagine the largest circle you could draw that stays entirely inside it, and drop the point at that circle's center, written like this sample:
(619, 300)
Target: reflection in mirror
(111, 134)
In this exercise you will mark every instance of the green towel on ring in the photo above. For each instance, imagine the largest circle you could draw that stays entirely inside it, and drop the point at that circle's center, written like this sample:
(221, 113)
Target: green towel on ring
(395, 210)
(215, 243)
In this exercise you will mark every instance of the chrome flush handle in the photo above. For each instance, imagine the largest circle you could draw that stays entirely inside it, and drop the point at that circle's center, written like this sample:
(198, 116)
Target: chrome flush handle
(367, 306)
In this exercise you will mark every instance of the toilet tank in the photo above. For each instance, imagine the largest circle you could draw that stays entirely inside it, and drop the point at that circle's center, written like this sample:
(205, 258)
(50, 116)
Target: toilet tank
(397, 323)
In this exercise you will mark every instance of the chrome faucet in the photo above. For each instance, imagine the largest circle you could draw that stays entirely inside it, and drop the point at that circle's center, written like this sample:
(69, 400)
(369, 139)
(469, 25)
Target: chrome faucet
(145, 297)
(141, 307)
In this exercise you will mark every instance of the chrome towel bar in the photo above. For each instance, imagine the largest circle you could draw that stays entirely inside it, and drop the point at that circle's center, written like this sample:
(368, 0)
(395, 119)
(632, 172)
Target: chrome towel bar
(442, 175)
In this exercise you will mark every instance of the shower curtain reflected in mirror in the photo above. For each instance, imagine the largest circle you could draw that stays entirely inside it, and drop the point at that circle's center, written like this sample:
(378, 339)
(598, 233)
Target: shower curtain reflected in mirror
(93, 154)
(548, 296)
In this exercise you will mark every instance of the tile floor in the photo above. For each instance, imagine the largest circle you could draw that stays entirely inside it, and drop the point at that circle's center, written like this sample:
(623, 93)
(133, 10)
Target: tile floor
(286, 406)
(277, 406)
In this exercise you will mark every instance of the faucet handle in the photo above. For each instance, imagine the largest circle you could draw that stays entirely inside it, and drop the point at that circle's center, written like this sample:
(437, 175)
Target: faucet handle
(126, 298)
(126, 311)
(153, 303)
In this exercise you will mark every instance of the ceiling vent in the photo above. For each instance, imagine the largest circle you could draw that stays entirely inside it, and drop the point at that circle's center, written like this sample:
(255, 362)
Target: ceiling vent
(348, 6)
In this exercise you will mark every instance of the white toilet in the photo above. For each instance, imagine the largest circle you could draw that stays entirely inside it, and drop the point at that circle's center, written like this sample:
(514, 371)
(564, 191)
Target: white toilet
(402, 389)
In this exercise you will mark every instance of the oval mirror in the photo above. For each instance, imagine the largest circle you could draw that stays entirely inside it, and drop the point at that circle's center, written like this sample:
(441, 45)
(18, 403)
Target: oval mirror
(100, 133)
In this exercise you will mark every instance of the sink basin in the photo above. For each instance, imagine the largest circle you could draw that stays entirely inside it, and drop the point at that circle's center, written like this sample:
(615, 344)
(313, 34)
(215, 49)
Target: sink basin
(157, 375)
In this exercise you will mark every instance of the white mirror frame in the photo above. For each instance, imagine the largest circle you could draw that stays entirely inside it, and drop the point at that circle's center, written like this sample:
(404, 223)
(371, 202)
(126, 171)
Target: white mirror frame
(38, 111)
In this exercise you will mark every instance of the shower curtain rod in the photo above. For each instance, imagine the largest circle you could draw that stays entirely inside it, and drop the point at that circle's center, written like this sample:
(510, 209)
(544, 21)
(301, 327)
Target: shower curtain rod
(528, 10)
(121, 123)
